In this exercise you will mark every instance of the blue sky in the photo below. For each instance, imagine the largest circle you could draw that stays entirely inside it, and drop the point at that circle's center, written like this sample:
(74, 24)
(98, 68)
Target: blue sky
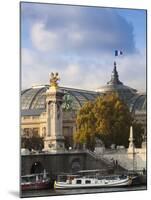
(79, 43)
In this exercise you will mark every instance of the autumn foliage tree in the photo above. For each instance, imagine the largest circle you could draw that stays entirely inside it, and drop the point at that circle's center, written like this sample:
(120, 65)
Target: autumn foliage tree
(107, 118)
(86, 129)
(113, 120)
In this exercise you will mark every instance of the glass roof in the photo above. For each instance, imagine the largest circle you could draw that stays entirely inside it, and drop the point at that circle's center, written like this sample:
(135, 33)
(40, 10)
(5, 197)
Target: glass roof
(34, 99)
(39, 100)
(138, 103)
(116, 85)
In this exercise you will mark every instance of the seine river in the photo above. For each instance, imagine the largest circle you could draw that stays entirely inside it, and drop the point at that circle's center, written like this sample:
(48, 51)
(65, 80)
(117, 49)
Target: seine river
(52, 192)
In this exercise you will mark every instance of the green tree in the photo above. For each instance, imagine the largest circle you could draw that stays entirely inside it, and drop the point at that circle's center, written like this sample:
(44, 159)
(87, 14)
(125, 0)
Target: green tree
(138, 133)
(35, 142)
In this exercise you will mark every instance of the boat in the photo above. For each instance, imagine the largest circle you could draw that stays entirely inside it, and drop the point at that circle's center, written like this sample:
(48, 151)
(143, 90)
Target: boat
(138, 177)
(76, 181)
(35, 181)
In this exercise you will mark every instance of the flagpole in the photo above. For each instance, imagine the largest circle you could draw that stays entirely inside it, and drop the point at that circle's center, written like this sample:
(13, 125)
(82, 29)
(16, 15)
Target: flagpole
(117, 53)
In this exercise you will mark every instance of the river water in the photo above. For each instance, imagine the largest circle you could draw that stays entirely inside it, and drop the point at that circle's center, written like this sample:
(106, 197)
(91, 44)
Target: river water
(53, 192)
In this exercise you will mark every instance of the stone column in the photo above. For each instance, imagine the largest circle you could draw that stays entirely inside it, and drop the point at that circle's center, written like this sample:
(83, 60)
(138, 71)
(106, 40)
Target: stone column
(54, 140)
(131, 147)
(131, 151)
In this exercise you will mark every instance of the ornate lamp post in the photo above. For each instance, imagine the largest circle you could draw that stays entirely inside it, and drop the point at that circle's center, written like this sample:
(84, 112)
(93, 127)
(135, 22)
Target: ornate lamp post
(54, 140)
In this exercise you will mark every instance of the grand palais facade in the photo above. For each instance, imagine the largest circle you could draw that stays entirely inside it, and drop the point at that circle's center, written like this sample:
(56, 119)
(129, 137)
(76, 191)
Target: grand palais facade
(33, 106)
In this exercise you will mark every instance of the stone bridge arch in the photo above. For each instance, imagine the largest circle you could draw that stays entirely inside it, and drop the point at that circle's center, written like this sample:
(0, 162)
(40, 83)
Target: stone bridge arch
(75, 164)
(37, 167)
(33, 164)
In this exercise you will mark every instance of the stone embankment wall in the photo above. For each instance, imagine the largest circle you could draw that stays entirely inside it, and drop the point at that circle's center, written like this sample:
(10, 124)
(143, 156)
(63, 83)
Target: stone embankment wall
(56, 163)
(126, 158)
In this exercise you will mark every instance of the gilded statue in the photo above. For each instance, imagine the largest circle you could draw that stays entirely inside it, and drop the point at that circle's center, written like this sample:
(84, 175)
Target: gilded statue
(54, 78)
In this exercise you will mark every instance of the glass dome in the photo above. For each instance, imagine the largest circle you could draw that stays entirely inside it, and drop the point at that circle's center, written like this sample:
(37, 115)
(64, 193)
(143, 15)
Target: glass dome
(138, 103)
(115, 85)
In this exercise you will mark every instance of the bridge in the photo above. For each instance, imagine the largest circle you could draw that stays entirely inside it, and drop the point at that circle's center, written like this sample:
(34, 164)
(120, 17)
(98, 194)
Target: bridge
(67, 162)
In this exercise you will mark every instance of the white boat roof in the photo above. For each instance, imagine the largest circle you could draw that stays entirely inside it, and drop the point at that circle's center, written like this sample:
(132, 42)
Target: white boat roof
(92, 170)
(30, 175)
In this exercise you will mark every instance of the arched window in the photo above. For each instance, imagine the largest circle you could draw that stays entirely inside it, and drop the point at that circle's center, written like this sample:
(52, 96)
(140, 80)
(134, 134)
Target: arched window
(37, 167)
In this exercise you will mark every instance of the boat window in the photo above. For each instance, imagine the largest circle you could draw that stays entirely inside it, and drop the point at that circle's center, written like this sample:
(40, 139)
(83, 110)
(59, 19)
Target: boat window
(109, 178)
(28, 179)
(78, 181)
(25, 179)
(62, 178)
(87, 181)
(122, 176)
(32, 178)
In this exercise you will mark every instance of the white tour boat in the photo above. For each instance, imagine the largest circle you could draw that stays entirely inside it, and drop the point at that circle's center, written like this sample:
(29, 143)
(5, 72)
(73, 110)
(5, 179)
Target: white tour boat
(76, 181)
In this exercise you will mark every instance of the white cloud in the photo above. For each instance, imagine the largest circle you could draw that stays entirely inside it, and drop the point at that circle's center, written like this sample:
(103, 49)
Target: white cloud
(84, 73)
(132, 71)
(43, 39)
(80, 45)
(80, 32)
(27, 57)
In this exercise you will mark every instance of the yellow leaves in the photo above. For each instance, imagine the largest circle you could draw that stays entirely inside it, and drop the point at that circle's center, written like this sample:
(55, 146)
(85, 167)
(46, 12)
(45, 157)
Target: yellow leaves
(85, 124)
(118, 105)
(107, 117)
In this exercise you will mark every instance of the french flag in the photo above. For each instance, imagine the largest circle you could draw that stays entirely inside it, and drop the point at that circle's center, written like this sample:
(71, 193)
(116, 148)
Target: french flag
(117, 53)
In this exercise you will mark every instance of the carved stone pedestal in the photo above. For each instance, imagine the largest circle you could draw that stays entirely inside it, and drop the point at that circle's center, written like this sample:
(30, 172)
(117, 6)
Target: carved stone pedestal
(56, 144)
(54, 140)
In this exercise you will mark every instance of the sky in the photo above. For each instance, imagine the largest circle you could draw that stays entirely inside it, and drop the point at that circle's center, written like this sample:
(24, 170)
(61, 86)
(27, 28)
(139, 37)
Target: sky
(79, 43)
